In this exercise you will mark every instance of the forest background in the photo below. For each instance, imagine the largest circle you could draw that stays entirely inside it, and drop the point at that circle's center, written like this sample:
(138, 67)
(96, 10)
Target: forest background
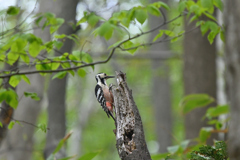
(167, 49)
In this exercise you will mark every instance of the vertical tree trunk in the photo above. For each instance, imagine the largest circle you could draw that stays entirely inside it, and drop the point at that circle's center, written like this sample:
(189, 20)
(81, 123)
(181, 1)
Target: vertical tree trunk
(161, 89)
(57, 88)
(199, 75)
(131, 144)
(232, 22)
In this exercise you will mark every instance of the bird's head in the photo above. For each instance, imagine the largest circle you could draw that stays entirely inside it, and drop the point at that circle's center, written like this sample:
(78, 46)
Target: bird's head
(102, 77)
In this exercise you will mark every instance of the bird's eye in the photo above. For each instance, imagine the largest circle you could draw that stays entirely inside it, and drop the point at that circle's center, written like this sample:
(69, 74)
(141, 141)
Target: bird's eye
(105, 74)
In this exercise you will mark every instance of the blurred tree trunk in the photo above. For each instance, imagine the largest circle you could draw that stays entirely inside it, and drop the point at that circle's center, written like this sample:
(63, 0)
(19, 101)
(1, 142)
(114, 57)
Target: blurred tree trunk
(19, 141)
(161, 89)
(199, 75)
(232, 19)
(57, 87)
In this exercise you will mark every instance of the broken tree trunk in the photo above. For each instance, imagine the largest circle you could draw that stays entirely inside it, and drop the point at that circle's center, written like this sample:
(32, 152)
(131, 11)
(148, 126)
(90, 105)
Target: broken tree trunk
(131, 144)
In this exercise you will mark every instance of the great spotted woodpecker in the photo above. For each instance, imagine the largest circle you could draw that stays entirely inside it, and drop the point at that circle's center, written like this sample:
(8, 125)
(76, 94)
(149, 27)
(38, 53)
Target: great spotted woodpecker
(104, 96)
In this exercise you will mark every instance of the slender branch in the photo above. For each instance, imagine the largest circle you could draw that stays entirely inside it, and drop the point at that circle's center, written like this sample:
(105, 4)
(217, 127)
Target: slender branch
(103, 61)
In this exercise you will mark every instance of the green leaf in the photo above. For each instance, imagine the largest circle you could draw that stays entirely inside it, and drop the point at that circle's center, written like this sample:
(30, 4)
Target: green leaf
(89, 156)
(42, 127)
(129, 44)
(12, 57)
(164, 5)
(10, 97)
(174, 39)
(86, 57)
(158, 35)
(32, 95)
(217, 111)
(34, 48)
(38, 20)
(93, 20)
(207, 4)
(141, 15)
(204, 134)
(59, 146)
(60, 36)
(25, 78)
(193, 101)
(210, 16)
(218, 4)
(82, 20)
(211, 36)
(153, 10)
(14, 80)
(1, 125)
(55, 65)
(25, 57)
(11, 124)
(13, 10)
(58, 44)
(181, 6)
(60, 75)
(81, 72)
(104, 28)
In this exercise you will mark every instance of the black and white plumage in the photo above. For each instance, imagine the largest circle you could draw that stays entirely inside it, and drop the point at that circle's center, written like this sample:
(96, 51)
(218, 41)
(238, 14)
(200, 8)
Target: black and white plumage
(103, 95)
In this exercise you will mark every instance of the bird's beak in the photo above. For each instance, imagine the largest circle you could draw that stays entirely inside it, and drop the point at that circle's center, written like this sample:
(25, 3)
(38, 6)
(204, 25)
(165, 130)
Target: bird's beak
(110, 77)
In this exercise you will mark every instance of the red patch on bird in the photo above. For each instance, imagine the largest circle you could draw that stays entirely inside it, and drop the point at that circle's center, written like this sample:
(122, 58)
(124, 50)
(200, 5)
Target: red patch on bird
(109, 106)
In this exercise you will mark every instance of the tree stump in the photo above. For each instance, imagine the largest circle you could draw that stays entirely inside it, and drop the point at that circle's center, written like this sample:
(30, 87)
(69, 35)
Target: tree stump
(131, 144)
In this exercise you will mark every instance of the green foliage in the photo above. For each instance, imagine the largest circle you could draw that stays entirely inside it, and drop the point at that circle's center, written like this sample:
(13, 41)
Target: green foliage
(42, 127)
(32, 95)
(10, 97)
(11, 124)
(206, 8)
(13, 10)
(193, 101)
(219, 152)
(200, 151)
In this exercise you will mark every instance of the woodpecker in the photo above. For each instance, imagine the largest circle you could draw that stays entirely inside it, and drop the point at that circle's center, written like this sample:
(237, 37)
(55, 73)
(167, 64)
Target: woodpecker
(104, 96)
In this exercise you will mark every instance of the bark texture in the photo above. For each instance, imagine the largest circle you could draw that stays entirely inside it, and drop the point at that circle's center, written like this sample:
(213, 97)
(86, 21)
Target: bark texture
(199, 75)
(57, 88)
(131, 144)
(161, 88)
(232, 22)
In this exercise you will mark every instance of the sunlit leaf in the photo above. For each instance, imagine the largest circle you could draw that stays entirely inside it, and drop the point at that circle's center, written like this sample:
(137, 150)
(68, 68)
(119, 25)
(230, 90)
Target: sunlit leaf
(181, 6)
(11, 124)
(153, 10)
(60, 75)
(141, 15)
(204, 134)
(34, 48)
(216, 111)
(81, 72)
(219, 4)
(25, 78)
(207, 4)
(14, 80)
(10, 97)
